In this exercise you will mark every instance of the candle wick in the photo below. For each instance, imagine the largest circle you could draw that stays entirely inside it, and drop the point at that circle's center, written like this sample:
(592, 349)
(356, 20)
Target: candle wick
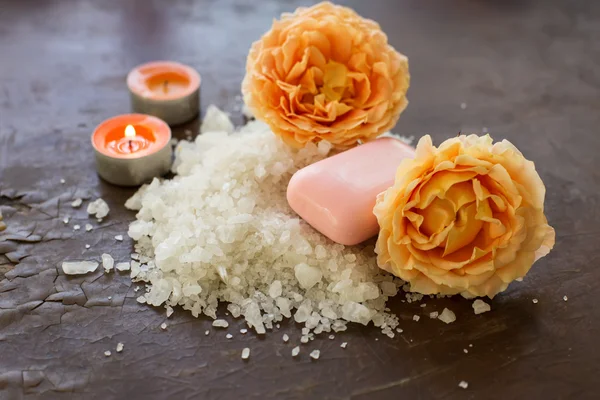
(130, 147)
(166, 86)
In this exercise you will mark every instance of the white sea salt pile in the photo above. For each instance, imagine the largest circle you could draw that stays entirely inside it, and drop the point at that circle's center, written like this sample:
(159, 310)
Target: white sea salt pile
(99, 208)
(222, 231)
(79, 267)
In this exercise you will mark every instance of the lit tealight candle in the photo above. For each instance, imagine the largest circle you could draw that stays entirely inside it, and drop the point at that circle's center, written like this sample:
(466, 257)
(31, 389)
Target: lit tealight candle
(165, 89)
(132, 149)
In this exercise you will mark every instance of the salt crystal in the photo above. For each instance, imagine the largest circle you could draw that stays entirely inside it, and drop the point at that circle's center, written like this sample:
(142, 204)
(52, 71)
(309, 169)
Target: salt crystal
(463, 385)
(99, 208)
(331, 337)
(463, 106)
(470, 345)
(466, 351)
(206, 333)
(315, 354)
(76, 227)
(76, 203)
(169, 311)
(123, 266)
(63, 181)
(423, 305)
(399, 330)
(110, 297)
(480, 306)
(285, 337)
(119, 238)
(275, 289)
(535, 301)
(229, 336)
(433, 314)
(88, 227)
(87, 246)
(216, 120)
(245, 353)
(565, 298)
(220, 323)
(243, 330)
(295, 351)
(120, 347)
(66, 220)
(107, 353)
(343, 345)
(307, 276)
(163, 326)
(304, 339)
(447, 316)
(141, 299)
(416, 318)
(79, 267)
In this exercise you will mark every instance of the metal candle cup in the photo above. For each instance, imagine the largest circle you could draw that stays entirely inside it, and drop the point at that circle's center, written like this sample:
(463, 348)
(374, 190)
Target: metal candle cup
(165, 89)
(131, 149)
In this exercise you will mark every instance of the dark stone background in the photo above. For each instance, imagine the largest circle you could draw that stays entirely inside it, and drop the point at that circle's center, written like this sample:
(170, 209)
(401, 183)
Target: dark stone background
(529, 71)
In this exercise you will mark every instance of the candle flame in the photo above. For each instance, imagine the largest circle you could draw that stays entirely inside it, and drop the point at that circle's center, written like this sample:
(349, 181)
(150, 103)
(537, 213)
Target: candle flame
(129, 131)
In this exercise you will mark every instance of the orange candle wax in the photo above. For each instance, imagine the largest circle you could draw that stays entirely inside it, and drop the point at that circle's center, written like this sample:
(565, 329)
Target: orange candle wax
(166, 89)
(132, 149)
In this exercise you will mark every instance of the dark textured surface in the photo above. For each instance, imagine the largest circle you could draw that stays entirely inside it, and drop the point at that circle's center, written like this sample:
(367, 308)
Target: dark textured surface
(527, 70)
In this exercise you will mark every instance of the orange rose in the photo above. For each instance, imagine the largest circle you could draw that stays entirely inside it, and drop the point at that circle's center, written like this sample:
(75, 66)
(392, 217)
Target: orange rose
(326, 73)
(467, 217)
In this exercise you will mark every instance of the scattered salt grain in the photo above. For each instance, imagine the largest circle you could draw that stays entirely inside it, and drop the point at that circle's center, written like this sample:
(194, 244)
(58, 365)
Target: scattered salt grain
(466, 351)
(463, 106)
(99, 208)
(565, 298)
(76, 227)
(295, 351)
(220, 323)
(76, 203)
(63, 181)
(107, 353)
(304, 339)
(285, 338)
(141, 299)
(463, 385)
(88, 227)
(169, 311)
(120, 347)
(110, 297)
(123, 266)
(399, 330)
(470, 345)
(79, 267)
(163, 326)
(245, 353)
(423, 305)
(243, 331)
(119, 238)
(66, 220)
(229, 336)
(206, 333)
(480, 306)
(433, 314)
(416, 318)
(315, 354)
(87, 246)
(343, 345)
(447, 316)
(331, 337)
(534, 301)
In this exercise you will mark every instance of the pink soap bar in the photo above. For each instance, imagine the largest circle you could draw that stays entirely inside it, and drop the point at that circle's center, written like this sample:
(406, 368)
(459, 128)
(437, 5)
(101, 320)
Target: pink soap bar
(337, 195)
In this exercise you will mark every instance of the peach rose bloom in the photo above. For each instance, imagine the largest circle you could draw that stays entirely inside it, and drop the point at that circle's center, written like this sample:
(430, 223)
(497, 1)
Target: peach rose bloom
(326, 73)
(466, 217)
